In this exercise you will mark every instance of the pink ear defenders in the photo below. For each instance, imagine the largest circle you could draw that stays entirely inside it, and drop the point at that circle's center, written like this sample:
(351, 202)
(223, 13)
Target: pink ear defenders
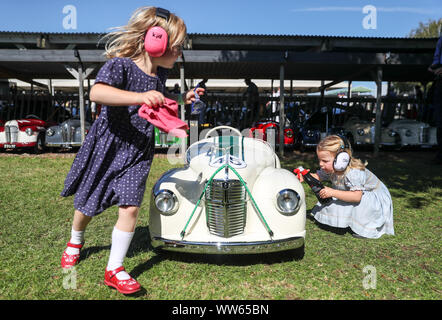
(156, 39)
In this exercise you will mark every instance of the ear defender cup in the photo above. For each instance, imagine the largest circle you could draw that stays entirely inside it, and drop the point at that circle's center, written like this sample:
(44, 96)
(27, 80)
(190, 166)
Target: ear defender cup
(342, 159)
(155, 41)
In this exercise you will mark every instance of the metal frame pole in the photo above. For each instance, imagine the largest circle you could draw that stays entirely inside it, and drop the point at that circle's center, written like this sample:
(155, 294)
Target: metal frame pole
(281, 109)
(377, 132)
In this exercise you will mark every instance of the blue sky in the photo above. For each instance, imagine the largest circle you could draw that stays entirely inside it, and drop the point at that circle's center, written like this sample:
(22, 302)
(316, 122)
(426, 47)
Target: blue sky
(291, 17)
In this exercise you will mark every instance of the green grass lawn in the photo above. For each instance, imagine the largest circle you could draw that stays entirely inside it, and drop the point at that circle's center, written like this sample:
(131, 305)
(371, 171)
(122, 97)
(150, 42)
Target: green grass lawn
(36, 223)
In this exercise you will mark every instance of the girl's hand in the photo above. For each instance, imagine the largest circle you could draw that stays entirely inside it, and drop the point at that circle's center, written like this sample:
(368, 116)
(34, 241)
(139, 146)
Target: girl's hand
(326, 192)
(190, 95)
(153, 98)
(301, 178)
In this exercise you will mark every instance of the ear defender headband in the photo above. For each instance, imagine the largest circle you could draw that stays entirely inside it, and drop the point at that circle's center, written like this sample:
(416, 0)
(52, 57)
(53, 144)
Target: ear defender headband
(342, 159)
(156, 39)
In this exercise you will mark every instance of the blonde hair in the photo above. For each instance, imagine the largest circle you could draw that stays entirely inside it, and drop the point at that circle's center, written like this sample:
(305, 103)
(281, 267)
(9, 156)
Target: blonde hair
(128, 41)
(333, 144)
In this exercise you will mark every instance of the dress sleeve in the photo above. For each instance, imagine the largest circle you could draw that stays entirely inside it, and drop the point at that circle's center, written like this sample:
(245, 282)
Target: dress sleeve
(322, 175)
(355, 180)
(112, 73)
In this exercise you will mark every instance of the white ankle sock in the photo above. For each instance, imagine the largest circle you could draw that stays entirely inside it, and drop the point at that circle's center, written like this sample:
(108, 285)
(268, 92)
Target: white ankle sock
(120, 244)
(77, 237)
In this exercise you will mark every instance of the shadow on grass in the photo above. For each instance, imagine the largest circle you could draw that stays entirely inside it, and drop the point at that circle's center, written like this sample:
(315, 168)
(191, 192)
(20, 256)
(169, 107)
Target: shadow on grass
(88, 251)
(142, 243)
(335, 230)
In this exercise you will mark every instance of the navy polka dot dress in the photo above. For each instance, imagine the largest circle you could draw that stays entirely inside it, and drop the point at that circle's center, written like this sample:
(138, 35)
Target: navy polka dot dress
(112, 165)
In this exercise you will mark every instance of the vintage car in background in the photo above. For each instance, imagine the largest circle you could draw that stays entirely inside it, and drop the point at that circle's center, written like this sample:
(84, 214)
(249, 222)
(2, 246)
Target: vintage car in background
(27, 133)
(319, 125)
(163, 140)
(414, 133)
(361, 132)
(65, 135)
(232, 197)
(269, 131)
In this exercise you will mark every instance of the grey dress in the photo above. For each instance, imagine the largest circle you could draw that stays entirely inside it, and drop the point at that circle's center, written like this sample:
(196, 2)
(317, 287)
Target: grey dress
(112, 165)
(371, 217)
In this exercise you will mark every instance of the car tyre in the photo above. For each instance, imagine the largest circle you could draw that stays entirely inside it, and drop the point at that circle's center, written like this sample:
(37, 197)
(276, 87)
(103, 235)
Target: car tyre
(40, 145)
(298, 253)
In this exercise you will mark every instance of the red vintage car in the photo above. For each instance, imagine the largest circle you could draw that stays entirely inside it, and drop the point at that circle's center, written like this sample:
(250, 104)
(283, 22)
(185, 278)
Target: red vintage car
(26, 133)
(266, 130)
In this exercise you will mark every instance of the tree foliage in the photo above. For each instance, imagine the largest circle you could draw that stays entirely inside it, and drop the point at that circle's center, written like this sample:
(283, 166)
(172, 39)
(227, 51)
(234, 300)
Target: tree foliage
(430, 29)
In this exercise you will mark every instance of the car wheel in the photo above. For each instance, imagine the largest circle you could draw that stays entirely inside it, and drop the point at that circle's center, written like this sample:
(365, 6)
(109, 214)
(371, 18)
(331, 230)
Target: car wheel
(302, 147)
(297, 254)
(40, 145)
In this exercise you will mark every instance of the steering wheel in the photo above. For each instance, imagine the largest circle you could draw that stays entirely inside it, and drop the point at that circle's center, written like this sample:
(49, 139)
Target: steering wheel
(32, 116)
(222, 127)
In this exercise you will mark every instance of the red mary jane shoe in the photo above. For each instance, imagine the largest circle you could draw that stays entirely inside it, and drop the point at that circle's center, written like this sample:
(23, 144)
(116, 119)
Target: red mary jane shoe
(124, 286)
(70, 260)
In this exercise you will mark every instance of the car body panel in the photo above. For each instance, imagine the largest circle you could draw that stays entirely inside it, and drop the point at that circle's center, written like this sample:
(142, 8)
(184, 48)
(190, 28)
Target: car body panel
(65, 135)
(362, 132)
(266, 129)
(414, 133)
(312, 130)
(22, 133)
(164, 140)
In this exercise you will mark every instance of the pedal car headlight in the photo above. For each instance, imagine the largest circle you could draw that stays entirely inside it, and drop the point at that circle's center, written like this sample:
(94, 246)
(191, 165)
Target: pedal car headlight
(50, 132)
(29, 132)
(288, 201)
(166, 202)
(289, 133)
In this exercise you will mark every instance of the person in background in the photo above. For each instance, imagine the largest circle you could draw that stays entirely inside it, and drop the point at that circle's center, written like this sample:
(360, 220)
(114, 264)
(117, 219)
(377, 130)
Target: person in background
(436, 69)
(251, 96)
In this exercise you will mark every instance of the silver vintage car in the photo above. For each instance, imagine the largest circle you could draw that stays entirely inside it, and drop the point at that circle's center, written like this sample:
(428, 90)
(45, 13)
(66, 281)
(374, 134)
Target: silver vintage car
(361, 133)
(414, 133)
(65, 135)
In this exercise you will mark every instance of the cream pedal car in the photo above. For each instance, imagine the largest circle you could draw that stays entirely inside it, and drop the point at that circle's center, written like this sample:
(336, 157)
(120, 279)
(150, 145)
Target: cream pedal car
(232, 197)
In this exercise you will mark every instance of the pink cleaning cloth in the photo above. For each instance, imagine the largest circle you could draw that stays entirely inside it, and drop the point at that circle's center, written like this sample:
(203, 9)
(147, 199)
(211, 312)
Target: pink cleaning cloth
(165, 118)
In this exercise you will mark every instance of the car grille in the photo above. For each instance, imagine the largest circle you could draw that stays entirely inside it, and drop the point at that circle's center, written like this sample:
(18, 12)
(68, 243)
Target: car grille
(11, 133)
(424, 135)
(226, 207)
(67, 133)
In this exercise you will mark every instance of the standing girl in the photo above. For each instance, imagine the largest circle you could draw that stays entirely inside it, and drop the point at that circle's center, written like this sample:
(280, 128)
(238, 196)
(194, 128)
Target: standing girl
(112, 166)
(360, 200)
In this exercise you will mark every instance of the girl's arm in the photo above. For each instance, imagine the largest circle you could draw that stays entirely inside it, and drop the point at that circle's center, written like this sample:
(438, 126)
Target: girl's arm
(188, 97)
(111, 96)
(347, 196)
